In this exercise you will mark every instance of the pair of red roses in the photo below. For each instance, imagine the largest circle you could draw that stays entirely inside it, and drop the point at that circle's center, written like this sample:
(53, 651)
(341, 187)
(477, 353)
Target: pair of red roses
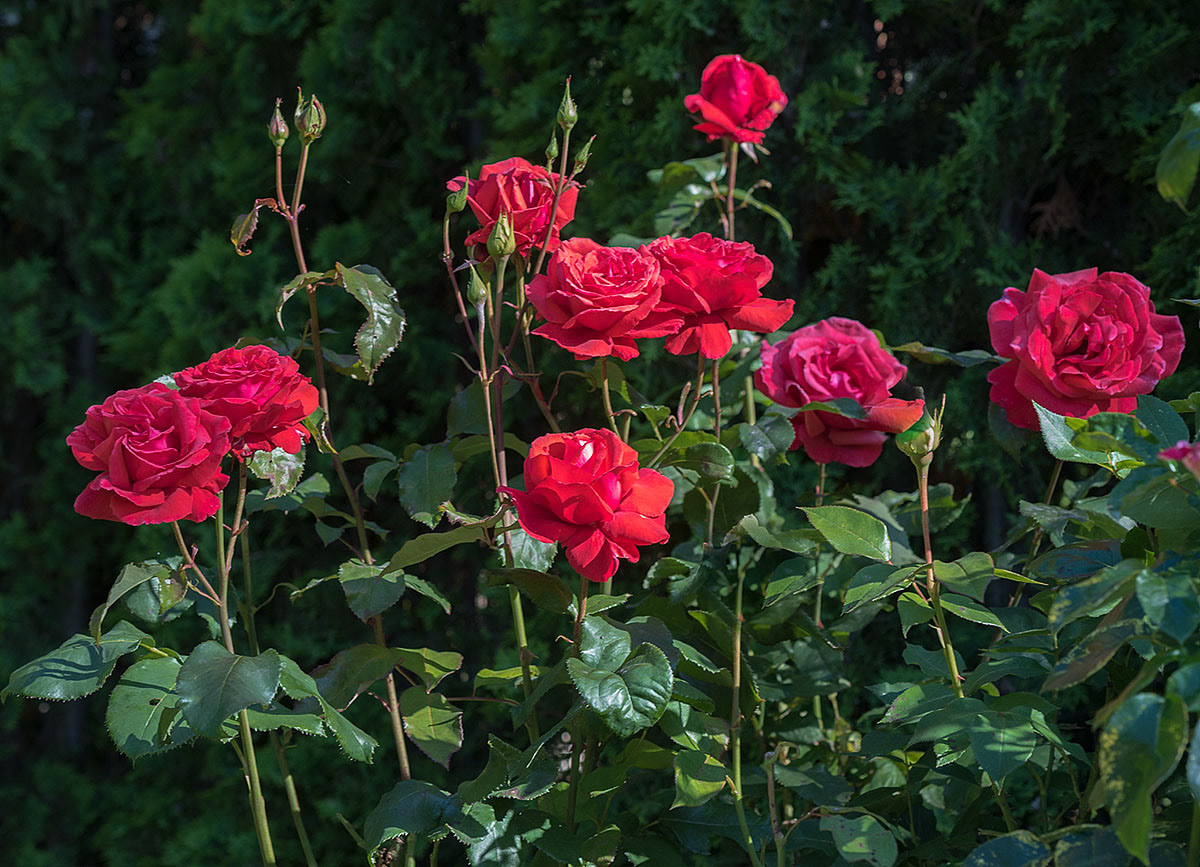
(158, 450)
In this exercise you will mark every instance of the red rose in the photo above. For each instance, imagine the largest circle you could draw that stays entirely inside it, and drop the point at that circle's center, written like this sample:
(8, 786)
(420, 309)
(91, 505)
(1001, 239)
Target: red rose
(837, 358)
(737, 99)
(597, 300)
(1080, 344)
(263, 394)
(526, 193)
(158, 454)
(585, 490)
(713, 285)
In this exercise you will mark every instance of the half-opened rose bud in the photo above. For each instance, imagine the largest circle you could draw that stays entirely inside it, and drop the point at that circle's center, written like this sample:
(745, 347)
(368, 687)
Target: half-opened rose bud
(309, 117)
(456, 200)
(263, 394)
(1079, 344)
(501, 242)
(738, 100)
(830, 359)
(713, 286)
(598, 300)
(568, 112)
(586, 491)
(158, 454)
(277, 129)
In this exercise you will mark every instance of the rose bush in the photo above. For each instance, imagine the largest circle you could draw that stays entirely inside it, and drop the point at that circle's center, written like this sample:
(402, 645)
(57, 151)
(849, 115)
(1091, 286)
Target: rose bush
(586, 490)
(1079, 343)
(525, 192)
(263, 394)
(713, 286)
(598, 300)
(738, 100)
(830, 359)
(158, 453)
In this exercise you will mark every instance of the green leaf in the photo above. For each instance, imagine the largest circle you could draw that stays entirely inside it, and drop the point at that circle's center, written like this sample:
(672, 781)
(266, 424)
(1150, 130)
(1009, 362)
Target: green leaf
(1161, 420)
(1138, 750)
(603, 644)
(772, 435)
(1018, 849)
(467, 413)
(747, 198)
(968, 575)
(1193, 765)
(1170, 602)
(511, 773)
(851, 531)
(969, 609)
(423, 547)
(1153, 496)
(411, 807)
(545, 591)
(281, 469)
(1057, 434)
(913, 611)
(632, 697)
(1089, 656)
(698, 777)
(1185, 683)
(276, 717)
(431, 666)
(426, 481)
(933, 355)
(711, 460)
(423, 587)
(368, 591)
(875, 582)
(356, 743)
(432, 723)
(132, 575)
(77, 667)
(1090, 846)
(1175, 173)
(384, 326)
(214, 684)
(786, 540)
(142, 707)
(1092, 595)
(531, 553)
(162, 598)
(1003, 741)
(861, 838)
(353, 670)
(303, 281)
(245, 224)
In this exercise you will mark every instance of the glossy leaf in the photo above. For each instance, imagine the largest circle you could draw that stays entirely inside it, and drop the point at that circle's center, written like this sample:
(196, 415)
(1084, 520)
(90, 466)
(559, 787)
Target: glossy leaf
(861, 838)
(368, 591)
(1057, 434)
(1018, 849)
(1003, 741)
(1093, 653)
(132, 575)
(352, 671)
(354, 742)
(430, 666)
(426, 481)
(411, 807)
(544, 590)
(214, 684)
(432, 723)
(77, 667)
(142, 706)
(1170, 602)
(877, 581)
(698, 777)
(851, 531)
(630, 698)
(383, 329)
(428, 545)
(531, 553)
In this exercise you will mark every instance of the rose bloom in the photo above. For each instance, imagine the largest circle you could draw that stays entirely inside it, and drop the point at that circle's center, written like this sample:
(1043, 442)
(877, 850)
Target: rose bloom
(158, 454)
(263, 394)
(598, 300)
(713, 285)
(526, 193)
(1080, 344)
(837, 358)
(586, 490)
(738, 100)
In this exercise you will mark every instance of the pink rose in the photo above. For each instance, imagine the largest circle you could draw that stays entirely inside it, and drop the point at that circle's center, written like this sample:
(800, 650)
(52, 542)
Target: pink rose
(263, 394)
(586, 490)
(158, 454)
(738, 100)
(598, 300)
(526, 193)
(1080, 344)
(830, 359)
(714, 285)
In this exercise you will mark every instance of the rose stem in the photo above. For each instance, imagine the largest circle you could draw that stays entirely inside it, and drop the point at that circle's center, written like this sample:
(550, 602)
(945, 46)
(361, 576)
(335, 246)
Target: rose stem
(731, 161)
(716, 395)
(448, 259)
(604, 388)
(735, 722)
(691, 410)
(360, 527)
(576, 739)
(1038, 533)
(558, 191)
(820, 588)
(495, 420)
(258, 806)
(534, 379)
(931, 582)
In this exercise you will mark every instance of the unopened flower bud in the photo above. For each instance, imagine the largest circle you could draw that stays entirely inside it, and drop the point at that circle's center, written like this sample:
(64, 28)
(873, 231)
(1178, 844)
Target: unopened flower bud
(501, 242)
(277, 129)
(921, 440)
(457, 200)
(552, 149)
(309, 118)
(476, 290)
(568, 112)
(581, 158)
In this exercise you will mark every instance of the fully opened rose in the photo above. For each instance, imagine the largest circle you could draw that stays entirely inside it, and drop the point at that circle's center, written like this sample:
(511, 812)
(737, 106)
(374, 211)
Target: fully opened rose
(158, 454)
(585, 490)
(1079, 344)
(738, 100)
(526, 193)
(830, 359)
(263, 394)
(598, 300)
(713, 286)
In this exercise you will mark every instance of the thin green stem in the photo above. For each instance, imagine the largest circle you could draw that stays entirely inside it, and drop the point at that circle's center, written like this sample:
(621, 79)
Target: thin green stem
(563, 180)
(731, 160)
(933, 585)
(1194, 837)
(691, 411)
(1004, 811)
(576, 735)
(608, 407)
(820, 590)
(393, 702)
(735, 723)
(1040, 531)
(716, 395)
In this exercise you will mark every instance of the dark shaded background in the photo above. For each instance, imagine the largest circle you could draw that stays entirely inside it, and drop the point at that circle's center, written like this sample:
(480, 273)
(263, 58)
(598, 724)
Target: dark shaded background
(931, 155)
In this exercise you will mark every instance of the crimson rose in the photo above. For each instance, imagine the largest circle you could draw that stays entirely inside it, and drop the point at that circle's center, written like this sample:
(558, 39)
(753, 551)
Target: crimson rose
(837, 358)
(713, 285)
(1080, 344)
(738, 99)
(158, 454)
(526, 193)
(597, 300)
(263, 394)
(586, 490)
